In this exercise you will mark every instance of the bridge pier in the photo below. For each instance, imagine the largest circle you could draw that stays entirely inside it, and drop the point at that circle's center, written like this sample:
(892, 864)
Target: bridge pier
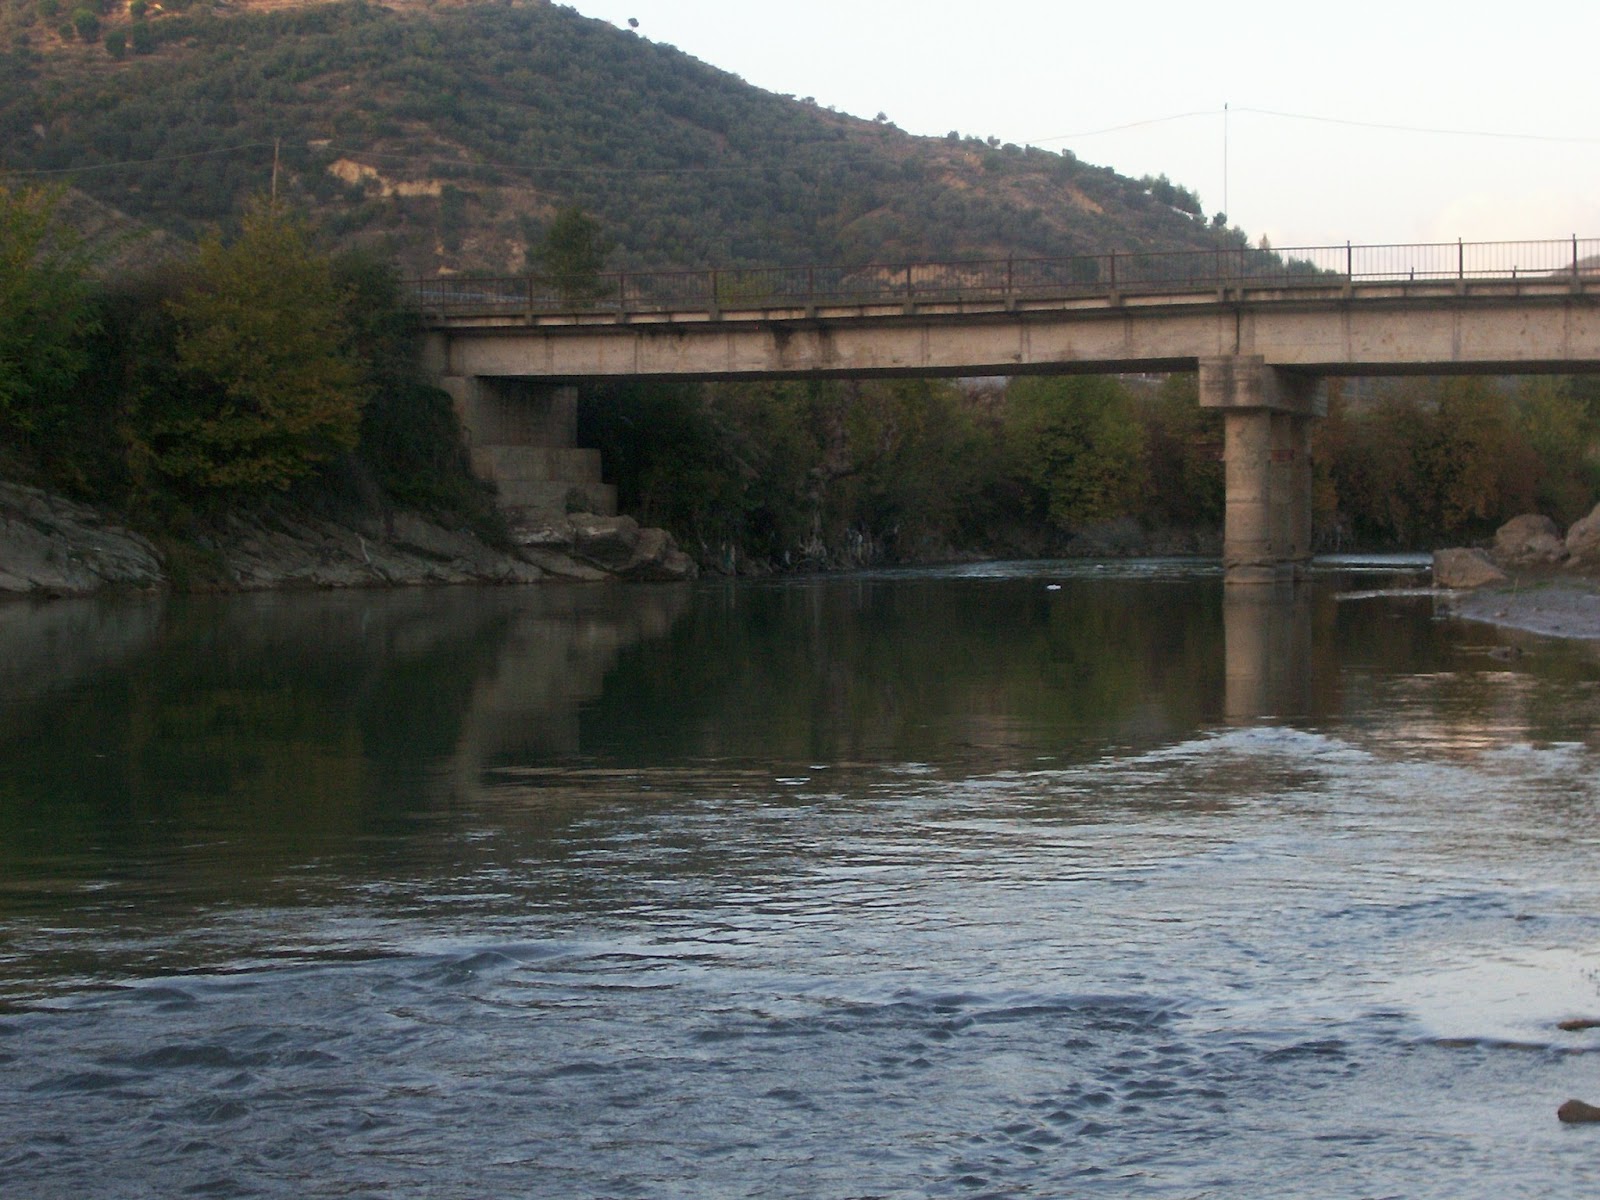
(1266, 414)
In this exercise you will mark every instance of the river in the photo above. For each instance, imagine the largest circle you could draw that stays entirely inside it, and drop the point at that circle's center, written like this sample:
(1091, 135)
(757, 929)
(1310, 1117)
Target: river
(1033, 880)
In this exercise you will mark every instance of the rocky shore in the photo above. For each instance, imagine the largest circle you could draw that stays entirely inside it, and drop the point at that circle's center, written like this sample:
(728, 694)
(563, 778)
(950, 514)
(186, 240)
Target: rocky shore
(1533, 578)
(50, 547)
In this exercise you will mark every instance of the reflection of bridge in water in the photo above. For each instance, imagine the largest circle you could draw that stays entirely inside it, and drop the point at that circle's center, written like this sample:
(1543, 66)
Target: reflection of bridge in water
(1261, 328)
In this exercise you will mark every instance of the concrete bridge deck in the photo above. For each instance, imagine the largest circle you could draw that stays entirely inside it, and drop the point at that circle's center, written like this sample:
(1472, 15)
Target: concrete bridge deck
(1434, 327)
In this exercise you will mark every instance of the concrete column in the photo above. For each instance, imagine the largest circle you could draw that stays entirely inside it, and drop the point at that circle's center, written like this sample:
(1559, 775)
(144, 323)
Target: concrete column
(1300, 489)
(1266, 431)
(1247, 526)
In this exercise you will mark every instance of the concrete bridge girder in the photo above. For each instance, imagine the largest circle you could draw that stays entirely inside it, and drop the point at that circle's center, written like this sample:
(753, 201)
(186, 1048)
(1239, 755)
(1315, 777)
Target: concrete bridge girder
(1503, 331)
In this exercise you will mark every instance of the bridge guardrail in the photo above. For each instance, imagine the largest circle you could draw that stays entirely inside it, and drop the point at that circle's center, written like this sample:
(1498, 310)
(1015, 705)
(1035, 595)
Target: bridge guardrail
(1007, 279)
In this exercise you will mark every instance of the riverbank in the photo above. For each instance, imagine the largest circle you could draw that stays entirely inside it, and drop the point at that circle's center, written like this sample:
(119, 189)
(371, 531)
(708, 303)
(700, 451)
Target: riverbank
(53, 547)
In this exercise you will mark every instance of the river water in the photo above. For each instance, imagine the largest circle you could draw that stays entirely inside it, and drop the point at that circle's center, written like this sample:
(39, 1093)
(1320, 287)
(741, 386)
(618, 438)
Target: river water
(1043, 880)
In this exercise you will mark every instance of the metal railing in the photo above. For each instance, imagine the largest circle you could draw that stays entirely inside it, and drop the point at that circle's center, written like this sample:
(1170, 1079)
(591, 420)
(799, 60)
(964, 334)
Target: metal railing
(1009, 279)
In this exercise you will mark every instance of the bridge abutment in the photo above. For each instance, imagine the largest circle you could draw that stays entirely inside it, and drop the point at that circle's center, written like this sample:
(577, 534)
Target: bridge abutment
(1267, 415)
(522, 436)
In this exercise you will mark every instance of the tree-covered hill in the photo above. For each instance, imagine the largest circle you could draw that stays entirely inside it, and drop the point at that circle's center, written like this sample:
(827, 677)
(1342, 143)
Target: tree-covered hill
(449, 135)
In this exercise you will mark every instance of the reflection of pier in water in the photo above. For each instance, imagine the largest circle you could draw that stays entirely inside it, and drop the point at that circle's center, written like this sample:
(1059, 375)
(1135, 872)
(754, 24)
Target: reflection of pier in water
(558, 646)
(1267, 637)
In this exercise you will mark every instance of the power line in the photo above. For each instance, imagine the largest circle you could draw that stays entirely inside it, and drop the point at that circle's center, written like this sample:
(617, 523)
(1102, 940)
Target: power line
(417, 160)
(1183, 116)
(612, 172)
(1388, 126)
(1504, 135)
(133, 162)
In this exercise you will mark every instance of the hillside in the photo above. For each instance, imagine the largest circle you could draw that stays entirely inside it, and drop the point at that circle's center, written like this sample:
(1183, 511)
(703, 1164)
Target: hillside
(448, 133)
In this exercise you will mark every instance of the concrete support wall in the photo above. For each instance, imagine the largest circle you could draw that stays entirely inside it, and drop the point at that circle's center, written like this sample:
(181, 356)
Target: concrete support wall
(1267, 416)
(513, 412)
(522, 436)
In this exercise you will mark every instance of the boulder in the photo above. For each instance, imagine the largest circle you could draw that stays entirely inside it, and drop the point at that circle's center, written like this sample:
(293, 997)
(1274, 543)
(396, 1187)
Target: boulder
(1529, 540)
(1583, 541)
(1464, 569)
(585, 546)
(656, 557)
(50, 546)
(1574, 1112)
(607, 542)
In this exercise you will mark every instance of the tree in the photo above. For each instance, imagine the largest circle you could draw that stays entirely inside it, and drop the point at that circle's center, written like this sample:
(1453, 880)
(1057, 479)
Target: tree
(1183, 455)
(1076, 441)
(46, 316)
(269, 389)
(572, 255)
(1561, 433)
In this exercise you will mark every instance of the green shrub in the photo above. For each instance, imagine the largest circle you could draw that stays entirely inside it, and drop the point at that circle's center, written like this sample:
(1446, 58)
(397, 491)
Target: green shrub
(268, 387)
(45, 315)
(1077, 443)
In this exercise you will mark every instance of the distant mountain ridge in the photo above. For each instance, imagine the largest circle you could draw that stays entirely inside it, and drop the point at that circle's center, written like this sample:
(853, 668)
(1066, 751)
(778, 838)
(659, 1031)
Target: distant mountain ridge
(447, 134)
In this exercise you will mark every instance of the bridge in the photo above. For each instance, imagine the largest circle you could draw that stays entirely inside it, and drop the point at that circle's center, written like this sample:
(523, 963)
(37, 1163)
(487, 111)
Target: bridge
(1261, 328)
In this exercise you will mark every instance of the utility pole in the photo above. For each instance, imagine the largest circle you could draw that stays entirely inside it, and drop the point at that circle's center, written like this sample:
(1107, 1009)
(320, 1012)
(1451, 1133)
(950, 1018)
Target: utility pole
(1225, 209)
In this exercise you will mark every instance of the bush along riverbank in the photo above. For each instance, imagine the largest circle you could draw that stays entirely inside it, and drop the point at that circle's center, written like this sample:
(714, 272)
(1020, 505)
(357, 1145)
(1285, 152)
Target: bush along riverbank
(250, 416)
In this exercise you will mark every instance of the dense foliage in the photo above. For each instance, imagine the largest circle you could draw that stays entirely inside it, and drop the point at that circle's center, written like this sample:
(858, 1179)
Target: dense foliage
(1426, 461)
(831, 472)
(265, 388)
(258, 366)
(571, 257)
(853, 472)
(45, 318)
(455, 134)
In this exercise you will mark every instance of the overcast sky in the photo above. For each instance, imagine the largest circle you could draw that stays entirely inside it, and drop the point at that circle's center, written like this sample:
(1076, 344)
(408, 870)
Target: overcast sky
(1496, 104)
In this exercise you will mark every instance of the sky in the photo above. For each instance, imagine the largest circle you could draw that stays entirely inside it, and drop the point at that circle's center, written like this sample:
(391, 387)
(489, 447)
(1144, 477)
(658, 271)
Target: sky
(1310, 124)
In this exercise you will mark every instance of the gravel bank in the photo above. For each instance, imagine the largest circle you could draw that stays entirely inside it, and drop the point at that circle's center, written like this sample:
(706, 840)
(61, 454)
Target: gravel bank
(1564, 607)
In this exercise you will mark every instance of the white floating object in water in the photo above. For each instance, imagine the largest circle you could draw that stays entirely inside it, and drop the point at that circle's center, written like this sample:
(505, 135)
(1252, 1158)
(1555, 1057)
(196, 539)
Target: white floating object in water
(1052, 587)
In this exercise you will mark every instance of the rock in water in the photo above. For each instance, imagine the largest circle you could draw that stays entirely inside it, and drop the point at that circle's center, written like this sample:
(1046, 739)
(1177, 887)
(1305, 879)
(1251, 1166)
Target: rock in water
(1576, 1112)
(1464, 569)
(1529, 539)
(1583, 540)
